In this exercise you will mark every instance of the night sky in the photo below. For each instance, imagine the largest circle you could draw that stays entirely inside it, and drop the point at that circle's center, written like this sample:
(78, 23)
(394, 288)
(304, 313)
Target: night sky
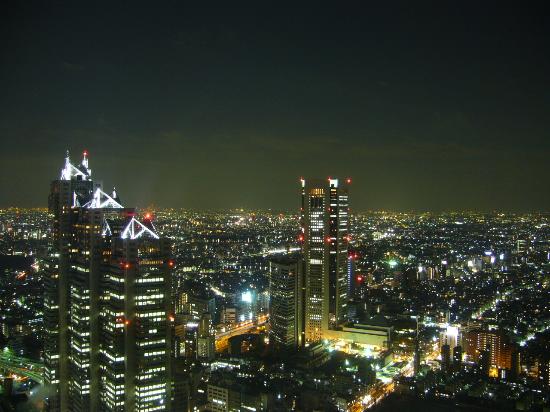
(427, 106)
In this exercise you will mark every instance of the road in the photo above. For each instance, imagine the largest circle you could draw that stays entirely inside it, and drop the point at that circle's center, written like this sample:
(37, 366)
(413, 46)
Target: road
(22, 367)
(222, 338)
(385, 385)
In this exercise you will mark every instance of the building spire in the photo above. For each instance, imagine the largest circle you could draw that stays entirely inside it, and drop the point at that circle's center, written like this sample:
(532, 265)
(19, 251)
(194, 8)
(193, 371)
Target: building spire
(69, 170)
(66, 171)
(85, 159)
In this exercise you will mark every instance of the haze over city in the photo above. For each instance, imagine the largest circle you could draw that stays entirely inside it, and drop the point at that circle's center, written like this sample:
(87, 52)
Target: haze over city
(428, 106)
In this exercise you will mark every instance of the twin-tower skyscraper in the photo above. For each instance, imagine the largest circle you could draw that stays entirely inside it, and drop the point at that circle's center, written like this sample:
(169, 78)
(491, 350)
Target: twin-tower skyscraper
(309, 293)
(325, 238)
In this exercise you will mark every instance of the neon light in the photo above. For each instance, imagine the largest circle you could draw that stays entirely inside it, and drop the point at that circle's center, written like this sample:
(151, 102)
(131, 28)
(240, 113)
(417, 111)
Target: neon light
(70, 171)
(135, 229)
(102, 200)
(106, 231)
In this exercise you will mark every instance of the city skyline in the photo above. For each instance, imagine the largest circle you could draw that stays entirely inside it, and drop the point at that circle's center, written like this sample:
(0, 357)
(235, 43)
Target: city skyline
(325, 207)
(84, 154)
(267, 311)
(433, 107)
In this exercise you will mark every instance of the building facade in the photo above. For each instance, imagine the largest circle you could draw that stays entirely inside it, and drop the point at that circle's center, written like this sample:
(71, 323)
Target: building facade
(286, 314)
(107, 302)
(325, 239)
(493, 349)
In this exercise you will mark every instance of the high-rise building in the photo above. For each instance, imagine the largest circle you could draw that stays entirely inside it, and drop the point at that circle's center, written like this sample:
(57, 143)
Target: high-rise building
(206, 340)
(445, 357)
(457, 357)
(73, 186)
(194, 303)
(107, 302)
(325, 239)
(286, 314)
(450, 335)
(494, 348)
(484, 361)
(544, 370)
(135, 342)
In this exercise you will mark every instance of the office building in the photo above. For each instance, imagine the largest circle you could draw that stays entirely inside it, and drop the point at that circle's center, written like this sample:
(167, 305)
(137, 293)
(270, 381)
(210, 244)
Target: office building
(227, 392)
(286, 314)
(446, 357)
(206, 340)
(194, 302)
(544, 370)
(107, 302)
(457, 357)
(74, 185)
(325, 239)
(135, 343)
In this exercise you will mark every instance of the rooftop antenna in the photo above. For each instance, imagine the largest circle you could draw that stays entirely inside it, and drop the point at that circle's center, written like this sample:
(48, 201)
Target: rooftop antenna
(85, 159)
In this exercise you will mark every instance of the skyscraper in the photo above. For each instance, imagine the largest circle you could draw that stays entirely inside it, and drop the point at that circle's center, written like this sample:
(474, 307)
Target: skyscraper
(325, 237)
(107, 302)
(206, 339)
(74, 185)
(286, 302)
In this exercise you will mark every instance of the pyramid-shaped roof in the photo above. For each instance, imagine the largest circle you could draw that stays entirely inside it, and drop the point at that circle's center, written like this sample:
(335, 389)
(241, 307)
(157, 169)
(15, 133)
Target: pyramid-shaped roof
(102, 200)
(136, 229)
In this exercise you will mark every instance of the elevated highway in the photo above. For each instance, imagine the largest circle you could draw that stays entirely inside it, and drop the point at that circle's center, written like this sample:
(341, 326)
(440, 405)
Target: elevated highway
(22, 367)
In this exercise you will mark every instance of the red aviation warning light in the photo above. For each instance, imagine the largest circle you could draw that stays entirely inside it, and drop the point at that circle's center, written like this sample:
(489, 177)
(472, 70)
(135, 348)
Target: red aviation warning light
(348, 180)
(171, 263)
(359, 278)
(85, 153)
(148, 216)
(301, 237)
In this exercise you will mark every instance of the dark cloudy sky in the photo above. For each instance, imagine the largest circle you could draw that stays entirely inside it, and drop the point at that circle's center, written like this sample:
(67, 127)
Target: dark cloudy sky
(428, 106)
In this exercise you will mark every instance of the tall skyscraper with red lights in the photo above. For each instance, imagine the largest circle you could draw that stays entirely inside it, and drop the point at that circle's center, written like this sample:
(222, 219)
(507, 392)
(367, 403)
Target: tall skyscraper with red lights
(106, 304)
(325, 239)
